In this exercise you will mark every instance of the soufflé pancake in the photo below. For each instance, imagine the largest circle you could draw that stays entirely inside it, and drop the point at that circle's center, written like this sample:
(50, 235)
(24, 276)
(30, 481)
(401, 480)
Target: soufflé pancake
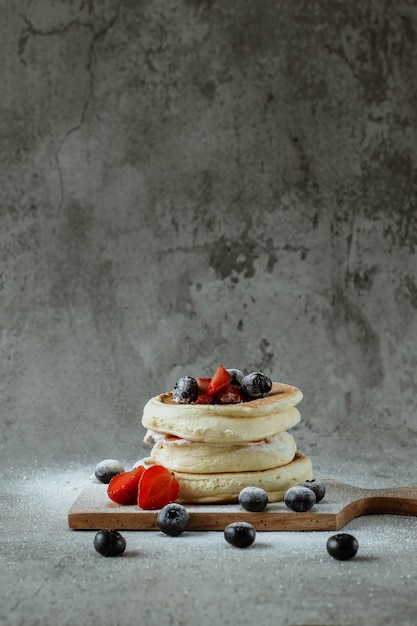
(221, 434)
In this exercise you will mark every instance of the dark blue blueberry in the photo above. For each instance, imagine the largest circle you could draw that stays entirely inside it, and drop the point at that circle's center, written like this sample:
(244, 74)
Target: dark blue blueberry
(109, 543)
(317, 486)
(300, 499)
(240, 534)
(253, 499)
(256, 385)
(342, 546)
(185, 390)
(173, 519)
(107, 469)
(237, 376)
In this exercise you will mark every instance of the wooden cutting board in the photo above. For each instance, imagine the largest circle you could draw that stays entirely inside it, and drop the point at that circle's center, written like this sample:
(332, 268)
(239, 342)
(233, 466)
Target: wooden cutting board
(93, 510)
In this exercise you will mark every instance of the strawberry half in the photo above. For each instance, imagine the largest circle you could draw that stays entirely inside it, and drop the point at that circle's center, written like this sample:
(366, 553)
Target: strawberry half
(203, 397)
(157, 487)
(220, 379)
(123, 488)
(230, 394)
(203, 382)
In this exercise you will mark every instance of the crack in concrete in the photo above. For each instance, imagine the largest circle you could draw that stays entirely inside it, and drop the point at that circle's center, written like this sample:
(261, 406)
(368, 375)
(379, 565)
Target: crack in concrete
(21, 600)
(31, 31)
(97, 35)
(341, 53)
(59, 169)
(58, 568)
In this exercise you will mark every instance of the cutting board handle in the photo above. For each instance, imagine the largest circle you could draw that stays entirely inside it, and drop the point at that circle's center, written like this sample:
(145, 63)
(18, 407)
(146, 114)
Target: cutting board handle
(390, 501)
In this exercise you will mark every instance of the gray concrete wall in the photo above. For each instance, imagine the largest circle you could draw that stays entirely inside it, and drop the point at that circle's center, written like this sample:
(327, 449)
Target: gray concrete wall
(191, 183)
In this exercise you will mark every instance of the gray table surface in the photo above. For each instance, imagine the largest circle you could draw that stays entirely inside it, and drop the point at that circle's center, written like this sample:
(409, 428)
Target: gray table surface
(52, 575)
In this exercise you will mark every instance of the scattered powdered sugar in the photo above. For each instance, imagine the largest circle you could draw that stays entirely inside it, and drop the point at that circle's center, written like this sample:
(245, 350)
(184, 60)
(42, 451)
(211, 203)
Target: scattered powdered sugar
(42, 498)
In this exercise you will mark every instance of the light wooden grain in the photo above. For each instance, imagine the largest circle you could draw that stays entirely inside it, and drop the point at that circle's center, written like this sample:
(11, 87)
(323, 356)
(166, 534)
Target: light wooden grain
(342, 503)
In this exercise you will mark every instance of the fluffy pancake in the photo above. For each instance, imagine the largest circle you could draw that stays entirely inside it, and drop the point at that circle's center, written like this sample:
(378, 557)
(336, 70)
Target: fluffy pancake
(225, 487)
(181, 455)
(217, 423)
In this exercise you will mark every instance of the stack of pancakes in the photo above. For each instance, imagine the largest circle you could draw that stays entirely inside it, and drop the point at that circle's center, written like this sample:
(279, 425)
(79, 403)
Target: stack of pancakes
(215, 450)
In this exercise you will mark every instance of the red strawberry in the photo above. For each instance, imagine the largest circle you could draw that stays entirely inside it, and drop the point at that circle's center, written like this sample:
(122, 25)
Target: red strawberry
(157, 487)
(203, 382)
(203, 398)
(230, 395)
(123, 488)
(220, 379)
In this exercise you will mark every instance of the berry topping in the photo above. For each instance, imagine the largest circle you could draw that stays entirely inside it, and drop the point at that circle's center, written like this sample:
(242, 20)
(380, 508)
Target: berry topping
(253, 499)
(342, 546)
(237, 376)
(227, 386)
(157, 487)
(300, 499)
(240, 534)
(109, 543)
(123, 488)
(185, 390)
(107, 469)
(229, 395)
(173, 519)
(203, 397)
(203, 382)
(220, 379)
(317, 486)
(256, 385)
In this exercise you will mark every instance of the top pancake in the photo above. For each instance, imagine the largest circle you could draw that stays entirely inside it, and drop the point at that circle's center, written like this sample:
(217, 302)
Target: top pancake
(244, 421)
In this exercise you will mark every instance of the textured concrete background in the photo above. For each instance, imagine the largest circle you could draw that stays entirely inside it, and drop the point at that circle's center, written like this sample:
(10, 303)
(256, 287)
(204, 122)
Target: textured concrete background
(192, 183)
(186, 183)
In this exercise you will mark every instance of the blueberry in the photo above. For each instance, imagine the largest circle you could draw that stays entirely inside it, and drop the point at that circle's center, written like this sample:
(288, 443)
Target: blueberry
(253, 499)
(109, 542)
(300, 499)
(108, 469)
(173, 519)
(237, 376)
(185, 390)
(256, 385)
(240, 534)
(342, 546)
(317, 486)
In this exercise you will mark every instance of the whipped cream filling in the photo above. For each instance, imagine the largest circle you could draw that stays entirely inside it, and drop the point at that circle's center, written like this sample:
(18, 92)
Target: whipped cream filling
(152, 436)
(278, 442)
(182, 455)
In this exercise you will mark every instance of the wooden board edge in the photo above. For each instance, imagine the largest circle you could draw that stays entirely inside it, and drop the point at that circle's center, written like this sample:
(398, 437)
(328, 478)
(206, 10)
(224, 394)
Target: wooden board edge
(204, 521)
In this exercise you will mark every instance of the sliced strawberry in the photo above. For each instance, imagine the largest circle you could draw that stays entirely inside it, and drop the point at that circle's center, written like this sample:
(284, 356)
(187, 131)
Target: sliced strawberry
(204, 398)
(220, 379)
(157, 487)
(230, 394)
(123, 488)
(172, 438)
(203, 382)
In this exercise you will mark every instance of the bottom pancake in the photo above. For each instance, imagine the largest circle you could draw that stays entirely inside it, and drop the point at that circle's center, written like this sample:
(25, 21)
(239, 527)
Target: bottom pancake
(225, 487)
